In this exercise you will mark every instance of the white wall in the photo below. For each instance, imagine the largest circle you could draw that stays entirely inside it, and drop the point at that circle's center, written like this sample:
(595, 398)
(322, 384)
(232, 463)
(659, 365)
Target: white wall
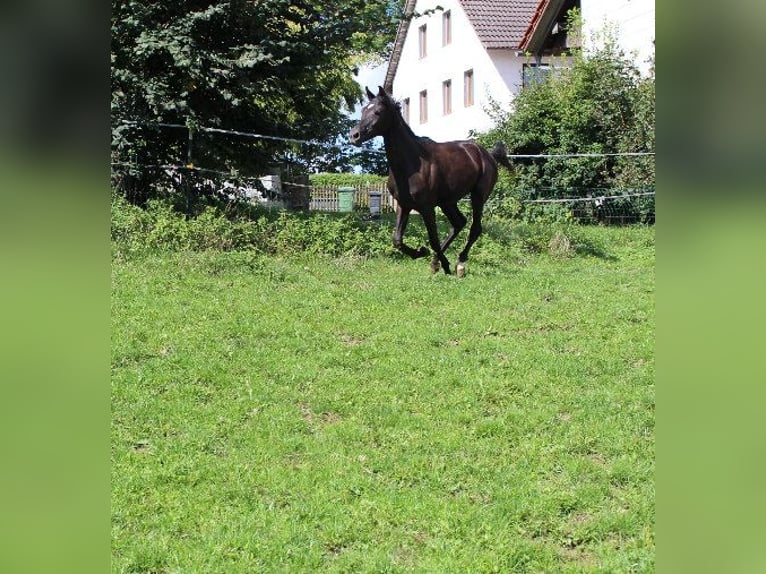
(450, 63)
(632, 20)
(497, 73)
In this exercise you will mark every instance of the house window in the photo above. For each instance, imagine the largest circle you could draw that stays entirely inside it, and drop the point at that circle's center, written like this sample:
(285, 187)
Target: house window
(447, 97)
(533, 74)
(406, 109)
(468, 88)
(423, 106)
(422, 35)
(446, 28)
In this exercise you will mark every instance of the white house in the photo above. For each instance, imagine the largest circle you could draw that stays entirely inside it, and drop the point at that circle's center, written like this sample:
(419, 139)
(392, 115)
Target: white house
(458, 56)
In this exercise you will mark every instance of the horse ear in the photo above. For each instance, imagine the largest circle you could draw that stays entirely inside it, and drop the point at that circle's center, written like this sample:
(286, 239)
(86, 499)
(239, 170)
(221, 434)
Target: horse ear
(381, 91)
(369, 93)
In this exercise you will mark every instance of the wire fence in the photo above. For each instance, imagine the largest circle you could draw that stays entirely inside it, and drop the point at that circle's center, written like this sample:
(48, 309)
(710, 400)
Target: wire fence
(613, 206)
(587, 205)
(321, 144)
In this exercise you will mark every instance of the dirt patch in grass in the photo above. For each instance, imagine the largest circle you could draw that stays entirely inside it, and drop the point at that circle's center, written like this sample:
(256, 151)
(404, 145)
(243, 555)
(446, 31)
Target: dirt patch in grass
(578, 555)
(316, 421)
(351, 340)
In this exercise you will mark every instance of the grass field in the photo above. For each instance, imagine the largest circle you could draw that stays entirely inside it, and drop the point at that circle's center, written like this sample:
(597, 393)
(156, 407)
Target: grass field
(361, 415)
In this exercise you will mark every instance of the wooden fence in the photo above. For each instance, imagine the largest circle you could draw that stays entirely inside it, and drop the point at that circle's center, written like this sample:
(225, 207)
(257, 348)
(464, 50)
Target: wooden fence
(326, 198)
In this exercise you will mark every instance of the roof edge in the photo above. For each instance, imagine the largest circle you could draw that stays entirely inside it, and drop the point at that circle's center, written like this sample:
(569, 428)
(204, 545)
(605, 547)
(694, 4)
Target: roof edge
(541, 25)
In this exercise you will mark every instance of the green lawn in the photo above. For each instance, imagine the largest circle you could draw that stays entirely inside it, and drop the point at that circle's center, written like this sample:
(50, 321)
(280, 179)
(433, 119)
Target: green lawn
(361, 415)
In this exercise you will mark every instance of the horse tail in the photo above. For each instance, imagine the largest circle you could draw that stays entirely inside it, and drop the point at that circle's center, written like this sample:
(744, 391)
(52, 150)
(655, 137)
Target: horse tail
(501, 155)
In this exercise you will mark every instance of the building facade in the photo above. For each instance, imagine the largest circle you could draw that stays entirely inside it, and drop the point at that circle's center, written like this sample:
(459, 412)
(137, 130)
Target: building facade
(456, 59)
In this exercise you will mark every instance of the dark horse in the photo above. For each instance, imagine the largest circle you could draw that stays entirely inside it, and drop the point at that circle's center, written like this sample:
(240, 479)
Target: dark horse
(424, 174)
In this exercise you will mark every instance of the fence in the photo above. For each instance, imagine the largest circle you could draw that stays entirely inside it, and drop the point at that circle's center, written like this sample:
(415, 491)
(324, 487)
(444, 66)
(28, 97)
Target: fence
(191, 184)
(325, 198)
(607, 206)
(610, 206)
(615, 207)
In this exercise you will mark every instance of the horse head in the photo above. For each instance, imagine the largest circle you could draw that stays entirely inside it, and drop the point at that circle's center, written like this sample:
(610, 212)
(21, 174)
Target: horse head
(377, 117)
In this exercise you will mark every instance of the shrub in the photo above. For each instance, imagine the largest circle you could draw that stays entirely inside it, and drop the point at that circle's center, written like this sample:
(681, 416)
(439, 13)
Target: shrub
(599, 105)
(346, 180)
(159, 227)
(137, 231)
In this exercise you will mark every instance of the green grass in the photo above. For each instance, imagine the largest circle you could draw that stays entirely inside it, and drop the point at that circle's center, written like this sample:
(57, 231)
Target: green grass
(361, 415)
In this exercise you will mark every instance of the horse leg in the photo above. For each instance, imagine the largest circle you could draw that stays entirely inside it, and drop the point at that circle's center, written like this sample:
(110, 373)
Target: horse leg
(477, 203)
(457, 223)
(429, 219)
(402, 216)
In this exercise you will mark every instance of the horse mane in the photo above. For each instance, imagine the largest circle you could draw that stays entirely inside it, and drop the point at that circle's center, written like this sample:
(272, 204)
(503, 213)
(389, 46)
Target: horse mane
(397, 105)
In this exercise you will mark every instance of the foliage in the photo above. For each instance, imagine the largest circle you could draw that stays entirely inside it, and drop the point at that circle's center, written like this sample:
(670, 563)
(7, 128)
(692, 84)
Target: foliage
(599, 105)
(137, 231)
(347, 179)
(336, 154)
(270, 67)
(159, 228)
(360, 415)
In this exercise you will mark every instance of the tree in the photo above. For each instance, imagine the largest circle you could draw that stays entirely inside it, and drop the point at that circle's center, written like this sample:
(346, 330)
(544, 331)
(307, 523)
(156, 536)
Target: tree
(272, 67)
(599, 105)
(336, 155)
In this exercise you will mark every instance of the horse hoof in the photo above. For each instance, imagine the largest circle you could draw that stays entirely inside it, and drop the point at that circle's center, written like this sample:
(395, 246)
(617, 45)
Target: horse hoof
(461, 270)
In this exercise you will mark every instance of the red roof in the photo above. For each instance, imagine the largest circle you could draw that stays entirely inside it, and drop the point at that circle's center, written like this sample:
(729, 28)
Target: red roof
(542, 20)
(500, 24)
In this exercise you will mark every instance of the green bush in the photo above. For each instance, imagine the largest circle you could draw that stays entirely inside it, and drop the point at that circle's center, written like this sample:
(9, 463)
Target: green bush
(558, 239)
(138, 231)
(503, 206)
(158, 227)
(601, 105)
(346, 180)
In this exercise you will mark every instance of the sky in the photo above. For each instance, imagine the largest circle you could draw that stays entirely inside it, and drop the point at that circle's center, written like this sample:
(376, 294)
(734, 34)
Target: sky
(371, 77)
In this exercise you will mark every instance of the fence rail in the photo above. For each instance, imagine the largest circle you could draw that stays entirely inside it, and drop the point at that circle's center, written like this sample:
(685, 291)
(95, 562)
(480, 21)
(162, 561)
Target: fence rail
(585, 205)
(300, 194)
(325, 198)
